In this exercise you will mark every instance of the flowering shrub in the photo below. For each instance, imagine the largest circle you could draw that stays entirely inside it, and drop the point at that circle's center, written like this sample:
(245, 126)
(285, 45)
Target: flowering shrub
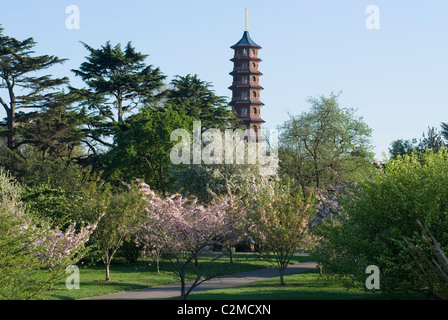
(33, 255)
(56, 248)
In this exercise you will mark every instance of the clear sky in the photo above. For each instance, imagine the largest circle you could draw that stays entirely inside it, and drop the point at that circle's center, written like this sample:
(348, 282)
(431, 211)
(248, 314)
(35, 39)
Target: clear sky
(396, 76)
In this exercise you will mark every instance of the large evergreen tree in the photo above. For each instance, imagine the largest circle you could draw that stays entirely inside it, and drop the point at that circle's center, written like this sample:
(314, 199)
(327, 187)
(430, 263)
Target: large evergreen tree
(55, 130)
(197, 98)
(118, 82)
(25, 87)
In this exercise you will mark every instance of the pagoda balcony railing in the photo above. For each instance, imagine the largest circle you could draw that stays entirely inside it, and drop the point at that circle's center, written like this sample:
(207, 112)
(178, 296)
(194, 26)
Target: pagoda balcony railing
(245, 68)
(246, 82)
(245, 56)
(246, 98)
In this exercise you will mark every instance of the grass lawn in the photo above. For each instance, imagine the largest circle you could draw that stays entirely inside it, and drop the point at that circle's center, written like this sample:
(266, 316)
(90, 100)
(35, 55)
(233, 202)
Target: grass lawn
(125, 277)
(302, 286)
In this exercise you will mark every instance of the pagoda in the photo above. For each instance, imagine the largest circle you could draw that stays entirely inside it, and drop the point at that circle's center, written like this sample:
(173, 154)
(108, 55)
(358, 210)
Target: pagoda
(245, 87)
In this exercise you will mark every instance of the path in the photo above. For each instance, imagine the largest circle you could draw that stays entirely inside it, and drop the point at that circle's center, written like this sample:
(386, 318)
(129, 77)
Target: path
(239, 279)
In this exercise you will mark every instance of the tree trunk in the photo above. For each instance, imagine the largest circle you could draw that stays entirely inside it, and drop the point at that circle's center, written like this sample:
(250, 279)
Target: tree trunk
(282, 281)
(182, 289)
(231, 254)
(11, 125)
(107, 272)
(196, 262)
(11, 113)
(120, 108)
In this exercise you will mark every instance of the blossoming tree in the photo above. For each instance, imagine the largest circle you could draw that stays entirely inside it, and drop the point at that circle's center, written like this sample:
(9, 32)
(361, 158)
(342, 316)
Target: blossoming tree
(186, 230)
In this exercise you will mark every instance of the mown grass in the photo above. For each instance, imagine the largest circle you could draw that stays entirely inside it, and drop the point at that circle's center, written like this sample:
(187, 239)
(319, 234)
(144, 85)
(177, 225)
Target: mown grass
(125, 277)
(302, 286)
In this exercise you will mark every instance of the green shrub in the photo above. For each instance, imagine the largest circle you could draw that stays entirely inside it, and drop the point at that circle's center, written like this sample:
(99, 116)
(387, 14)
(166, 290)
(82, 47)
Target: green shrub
(380, 214)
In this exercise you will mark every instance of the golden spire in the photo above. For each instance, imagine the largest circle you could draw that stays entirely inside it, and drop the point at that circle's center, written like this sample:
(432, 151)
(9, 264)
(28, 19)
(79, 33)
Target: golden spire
(246, 20)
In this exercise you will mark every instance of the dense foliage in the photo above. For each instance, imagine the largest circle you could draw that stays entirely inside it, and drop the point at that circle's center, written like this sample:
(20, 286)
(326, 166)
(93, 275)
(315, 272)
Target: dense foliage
(381, 213)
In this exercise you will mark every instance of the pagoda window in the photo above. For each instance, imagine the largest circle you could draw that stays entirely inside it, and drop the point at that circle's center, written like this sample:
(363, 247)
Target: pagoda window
(255, 110)
(254, 79)
(254, 94)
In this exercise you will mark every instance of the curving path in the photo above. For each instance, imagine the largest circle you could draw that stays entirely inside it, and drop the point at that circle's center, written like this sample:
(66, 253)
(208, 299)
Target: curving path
(173, 290)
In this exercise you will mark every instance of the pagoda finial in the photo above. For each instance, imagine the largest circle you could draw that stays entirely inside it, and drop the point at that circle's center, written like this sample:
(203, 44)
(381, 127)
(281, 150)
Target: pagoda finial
(246, 20)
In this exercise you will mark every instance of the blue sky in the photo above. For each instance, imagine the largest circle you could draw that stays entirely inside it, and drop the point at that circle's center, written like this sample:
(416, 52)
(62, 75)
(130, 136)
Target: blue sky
(396, 77)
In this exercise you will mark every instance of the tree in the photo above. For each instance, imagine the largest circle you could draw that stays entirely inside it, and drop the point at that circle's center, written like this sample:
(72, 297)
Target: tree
(444, 132)
(59, 207)
(431, 141)
(54, 132)
(122, 209)
(197, 180)
(199, 101)
(142, 150)
(67, 175)
(401, 147)
(25, 88)
(380, 213)
(118, 82)
(187, 230)
(327, 144)
(280, 220)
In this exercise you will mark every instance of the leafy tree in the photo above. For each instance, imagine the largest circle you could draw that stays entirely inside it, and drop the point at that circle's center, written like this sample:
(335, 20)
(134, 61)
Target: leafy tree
(25, 87)
(122, 210)
(280, 220)
(199, 101)
(401, 147)
(118, 82)
(432, 140)
(56, 205)
(380, 213)
(142, 149)
(325, 145)
(68, 176)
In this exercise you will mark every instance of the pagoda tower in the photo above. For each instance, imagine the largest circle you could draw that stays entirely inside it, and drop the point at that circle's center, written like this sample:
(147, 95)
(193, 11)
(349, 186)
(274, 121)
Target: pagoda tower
(245, 87)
